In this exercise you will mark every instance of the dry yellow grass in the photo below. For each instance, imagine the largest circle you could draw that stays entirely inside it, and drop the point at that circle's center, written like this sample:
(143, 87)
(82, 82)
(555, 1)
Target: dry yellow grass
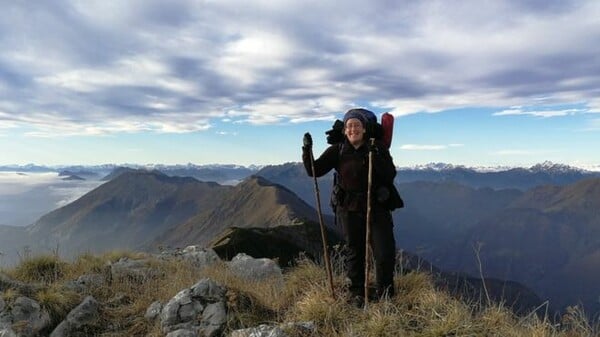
(418, 309)
(43, 268)
(57, 300)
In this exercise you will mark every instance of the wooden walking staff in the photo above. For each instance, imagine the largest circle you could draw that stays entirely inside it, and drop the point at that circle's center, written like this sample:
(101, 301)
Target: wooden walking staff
(368, 225)
(323, 231)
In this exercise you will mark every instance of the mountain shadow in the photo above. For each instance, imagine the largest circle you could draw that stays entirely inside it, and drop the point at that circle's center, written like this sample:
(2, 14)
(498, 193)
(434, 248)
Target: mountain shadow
(283, 243)
(549, 239)
(438, 215)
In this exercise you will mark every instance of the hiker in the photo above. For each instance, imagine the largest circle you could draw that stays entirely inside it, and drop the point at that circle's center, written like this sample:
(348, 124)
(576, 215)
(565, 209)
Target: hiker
(349, 158)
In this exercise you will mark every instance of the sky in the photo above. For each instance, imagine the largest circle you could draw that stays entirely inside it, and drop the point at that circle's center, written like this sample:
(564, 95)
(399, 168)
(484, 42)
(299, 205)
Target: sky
(510, 83)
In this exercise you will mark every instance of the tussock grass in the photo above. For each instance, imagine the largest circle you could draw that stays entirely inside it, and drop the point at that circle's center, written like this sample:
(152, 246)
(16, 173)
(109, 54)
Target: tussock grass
(85, 264)
(418, 309)
(9, 295)
(57, 301)
(44, 268)
(331, 316)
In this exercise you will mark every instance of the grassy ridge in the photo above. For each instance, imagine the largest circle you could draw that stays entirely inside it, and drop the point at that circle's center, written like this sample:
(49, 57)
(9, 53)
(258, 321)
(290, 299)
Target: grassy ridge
(418, 309)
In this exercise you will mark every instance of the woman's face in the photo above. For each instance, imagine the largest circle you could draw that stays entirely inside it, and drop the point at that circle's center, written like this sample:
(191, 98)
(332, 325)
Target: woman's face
(354, 131)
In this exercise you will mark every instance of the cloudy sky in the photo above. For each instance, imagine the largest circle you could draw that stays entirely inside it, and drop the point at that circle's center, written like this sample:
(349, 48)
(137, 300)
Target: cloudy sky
(469, 82)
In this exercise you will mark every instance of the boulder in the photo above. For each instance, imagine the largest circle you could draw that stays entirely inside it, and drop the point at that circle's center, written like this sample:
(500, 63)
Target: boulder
(28, 314)
(214, 318)
(137, 270)
(2, 304)
(200, 257)
(83, 320)
(200, 309)
(247, 267)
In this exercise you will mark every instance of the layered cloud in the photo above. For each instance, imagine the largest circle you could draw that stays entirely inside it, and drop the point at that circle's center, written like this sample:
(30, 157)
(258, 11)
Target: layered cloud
(98, 67)
(539, 113)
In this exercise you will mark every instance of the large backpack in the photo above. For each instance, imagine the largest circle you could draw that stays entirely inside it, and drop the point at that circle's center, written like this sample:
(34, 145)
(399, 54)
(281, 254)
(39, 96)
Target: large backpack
(375, 130)
(380, 131)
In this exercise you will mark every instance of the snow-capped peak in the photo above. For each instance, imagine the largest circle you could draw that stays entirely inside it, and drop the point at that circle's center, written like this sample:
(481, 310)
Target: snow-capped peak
(549, 166)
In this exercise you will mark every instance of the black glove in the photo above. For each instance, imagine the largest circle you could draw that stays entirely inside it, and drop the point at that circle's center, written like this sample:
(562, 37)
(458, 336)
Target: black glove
(336, 134)
(307, 141)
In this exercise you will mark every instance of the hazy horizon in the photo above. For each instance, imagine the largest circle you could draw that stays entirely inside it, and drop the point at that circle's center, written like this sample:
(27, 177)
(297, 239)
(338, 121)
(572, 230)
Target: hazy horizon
(58, 167)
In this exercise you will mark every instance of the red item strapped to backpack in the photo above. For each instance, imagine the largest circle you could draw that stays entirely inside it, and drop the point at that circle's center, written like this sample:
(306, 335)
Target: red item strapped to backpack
(387, 124)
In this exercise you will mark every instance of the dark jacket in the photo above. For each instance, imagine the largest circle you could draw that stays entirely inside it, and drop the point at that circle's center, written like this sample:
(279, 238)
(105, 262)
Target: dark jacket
(352, 166)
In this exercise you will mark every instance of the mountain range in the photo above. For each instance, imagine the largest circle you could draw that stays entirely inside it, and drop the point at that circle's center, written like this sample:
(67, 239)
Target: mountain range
(127, 211)
(545, 237)
(495, 177)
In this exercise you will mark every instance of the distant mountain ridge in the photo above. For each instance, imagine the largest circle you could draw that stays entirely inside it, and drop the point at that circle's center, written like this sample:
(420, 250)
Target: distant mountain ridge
(127, 211)
(546, 173)
(140, 209)
(495, 177)
(222, 173)
(545, 236)
(293, 175)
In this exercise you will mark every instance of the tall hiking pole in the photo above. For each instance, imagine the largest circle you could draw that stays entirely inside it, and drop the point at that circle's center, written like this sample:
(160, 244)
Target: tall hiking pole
(323, 232)
(368, 224)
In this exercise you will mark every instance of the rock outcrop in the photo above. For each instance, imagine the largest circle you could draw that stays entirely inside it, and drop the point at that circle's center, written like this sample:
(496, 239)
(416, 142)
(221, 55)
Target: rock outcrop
(247, 267)
(196, 311)
(83, 320)
(24, 317)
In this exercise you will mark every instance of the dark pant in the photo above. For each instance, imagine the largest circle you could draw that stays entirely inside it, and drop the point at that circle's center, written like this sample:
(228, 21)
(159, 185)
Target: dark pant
(383, 246)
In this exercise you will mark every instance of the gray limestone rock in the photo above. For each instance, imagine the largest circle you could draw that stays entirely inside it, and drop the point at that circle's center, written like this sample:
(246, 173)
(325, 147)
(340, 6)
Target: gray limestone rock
(26, 312)
(208, 290)
(200, 308)
(153, 311)
(81, 321)
(169, 315)
(127, 268)
(265, 330)
(255, 269)
(214, 318)
(200, 257)
(182, 333)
